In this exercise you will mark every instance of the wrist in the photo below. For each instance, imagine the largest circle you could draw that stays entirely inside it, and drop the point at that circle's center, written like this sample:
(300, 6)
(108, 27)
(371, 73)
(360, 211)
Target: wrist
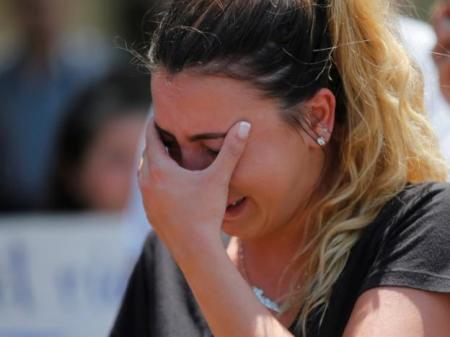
(197, 251)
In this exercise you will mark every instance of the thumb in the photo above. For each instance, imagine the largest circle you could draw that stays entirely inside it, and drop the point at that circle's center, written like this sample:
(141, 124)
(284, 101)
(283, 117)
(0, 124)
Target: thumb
(231, 150)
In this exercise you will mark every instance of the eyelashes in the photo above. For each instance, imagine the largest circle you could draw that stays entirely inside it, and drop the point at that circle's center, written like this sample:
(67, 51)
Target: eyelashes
(213, 153)
(175, 152)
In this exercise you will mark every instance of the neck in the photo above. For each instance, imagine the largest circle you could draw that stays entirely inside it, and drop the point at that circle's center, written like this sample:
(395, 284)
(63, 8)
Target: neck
(271, 253)
(265, 260)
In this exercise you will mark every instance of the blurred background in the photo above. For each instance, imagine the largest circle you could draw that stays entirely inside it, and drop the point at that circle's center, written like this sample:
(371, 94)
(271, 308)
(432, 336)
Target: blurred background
(73, 105)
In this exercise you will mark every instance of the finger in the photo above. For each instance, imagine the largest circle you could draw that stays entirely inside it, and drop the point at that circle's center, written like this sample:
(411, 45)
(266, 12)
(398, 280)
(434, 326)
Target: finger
(143, 166)
(231, 150)
(141, 160)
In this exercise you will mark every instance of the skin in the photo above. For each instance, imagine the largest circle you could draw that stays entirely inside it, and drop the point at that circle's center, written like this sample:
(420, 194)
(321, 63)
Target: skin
(266, 224)
(104, 179)
(182, 110)
(441, 25)
(394, 312)
(180, 178)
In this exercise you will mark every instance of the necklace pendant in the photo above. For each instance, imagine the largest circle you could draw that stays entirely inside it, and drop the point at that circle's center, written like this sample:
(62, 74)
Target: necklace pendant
(267, 302)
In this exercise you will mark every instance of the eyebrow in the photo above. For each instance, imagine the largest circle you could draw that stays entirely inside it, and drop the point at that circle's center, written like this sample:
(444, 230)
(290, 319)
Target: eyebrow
(194, 138)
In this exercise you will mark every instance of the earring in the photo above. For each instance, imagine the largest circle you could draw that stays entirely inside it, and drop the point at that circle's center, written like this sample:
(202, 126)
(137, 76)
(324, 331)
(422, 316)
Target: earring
(323, 132)
(321, 141)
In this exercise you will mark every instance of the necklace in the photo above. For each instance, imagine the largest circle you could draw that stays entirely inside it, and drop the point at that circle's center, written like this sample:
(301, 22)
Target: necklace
(259, 293)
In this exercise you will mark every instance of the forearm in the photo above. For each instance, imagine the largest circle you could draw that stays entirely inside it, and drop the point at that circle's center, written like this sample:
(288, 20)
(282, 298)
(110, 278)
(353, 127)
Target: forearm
(225, 299)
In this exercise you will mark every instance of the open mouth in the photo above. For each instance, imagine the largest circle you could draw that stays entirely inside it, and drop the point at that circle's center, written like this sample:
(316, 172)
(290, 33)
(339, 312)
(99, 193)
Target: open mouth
(235, 207)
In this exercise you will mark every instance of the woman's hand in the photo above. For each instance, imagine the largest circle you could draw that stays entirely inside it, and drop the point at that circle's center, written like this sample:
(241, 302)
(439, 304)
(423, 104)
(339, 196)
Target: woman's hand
(186, 207)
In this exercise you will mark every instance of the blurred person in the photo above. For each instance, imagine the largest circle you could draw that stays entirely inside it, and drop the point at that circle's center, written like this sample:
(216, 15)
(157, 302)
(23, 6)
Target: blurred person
(441, 55)
(441, 52)
(98, 144)
(137, 20)
(34, 86)
(419, 40)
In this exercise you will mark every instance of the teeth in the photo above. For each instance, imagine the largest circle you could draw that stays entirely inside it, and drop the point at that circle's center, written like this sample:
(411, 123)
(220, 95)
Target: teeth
(237, 202)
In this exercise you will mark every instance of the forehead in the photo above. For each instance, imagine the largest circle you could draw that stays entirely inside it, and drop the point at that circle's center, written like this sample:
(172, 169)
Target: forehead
(206, 102)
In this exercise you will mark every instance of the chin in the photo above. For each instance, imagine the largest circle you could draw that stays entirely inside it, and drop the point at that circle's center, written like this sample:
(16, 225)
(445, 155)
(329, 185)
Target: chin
(232, 228)
(243, 229)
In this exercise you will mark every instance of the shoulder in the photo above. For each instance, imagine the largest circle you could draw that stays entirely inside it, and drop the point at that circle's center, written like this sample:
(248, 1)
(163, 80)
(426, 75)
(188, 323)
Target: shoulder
(425, 190)
(399, 247)
(426, 201)
(405, 244)
(406, 288)
(416, 207)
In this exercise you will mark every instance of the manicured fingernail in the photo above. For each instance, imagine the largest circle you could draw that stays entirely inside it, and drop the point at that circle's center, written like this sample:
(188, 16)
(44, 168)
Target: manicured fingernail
(244, 129)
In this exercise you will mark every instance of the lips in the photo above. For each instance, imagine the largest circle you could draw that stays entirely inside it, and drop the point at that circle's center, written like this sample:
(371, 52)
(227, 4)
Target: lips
(235, 208)
(235, 202)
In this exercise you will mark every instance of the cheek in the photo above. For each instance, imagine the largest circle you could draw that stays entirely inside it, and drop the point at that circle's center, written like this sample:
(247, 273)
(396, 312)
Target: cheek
(271, 172)
(264, 165)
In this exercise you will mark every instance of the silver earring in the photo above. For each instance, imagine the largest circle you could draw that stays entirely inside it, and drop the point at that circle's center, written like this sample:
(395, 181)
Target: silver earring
(321, 141)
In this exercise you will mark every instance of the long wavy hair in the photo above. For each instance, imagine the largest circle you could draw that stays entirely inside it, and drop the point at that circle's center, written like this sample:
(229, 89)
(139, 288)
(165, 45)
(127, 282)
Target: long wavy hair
(289, 49)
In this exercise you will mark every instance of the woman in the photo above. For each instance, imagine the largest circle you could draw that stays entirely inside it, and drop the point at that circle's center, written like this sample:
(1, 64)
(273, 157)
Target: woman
(98, 141)
(296, 127)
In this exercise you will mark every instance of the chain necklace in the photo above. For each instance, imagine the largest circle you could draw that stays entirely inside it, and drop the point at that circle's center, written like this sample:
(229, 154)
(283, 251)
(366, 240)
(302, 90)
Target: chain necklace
(259, 293)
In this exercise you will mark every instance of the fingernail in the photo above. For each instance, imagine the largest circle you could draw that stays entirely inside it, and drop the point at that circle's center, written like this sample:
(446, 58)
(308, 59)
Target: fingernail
(244, 129)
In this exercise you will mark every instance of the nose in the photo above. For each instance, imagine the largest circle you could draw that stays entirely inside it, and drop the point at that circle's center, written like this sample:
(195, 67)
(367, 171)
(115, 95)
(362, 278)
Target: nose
(194, 160)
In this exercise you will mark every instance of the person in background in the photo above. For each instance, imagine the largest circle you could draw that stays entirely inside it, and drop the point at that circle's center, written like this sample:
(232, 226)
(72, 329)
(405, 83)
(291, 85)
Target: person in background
(441, 51)
(419, 40)
(98, 142)
(139, 19)
(34, 86)
(441, 56)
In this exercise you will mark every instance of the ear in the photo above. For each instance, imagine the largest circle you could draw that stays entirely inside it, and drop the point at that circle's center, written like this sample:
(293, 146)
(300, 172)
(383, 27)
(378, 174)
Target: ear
(320, 116)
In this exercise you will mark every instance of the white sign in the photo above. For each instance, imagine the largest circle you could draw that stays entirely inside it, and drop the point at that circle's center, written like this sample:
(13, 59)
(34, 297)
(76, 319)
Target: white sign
(61, 276)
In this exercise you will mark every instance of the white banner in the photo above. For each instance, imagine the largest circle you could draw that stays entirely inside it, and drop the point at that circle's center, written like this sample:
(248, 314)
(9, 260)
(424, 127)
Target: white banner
(61, 276)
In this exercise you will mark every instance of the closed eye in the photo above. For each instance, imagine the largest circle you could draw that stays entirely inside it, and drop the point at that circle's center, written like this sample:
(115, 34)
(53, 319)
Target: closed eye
(172, 149)
(213, 153)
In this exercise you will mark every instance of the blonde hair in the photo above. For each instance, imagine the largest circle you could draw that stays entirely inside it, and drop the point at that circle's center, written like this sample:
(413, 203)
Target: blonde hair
(385, 142)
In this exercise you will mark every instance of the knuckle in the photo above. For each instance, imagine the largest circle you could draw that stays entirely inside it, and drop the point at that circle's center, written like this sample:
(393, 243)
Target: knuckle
(210, 178)
(154, 176)
(156, 173)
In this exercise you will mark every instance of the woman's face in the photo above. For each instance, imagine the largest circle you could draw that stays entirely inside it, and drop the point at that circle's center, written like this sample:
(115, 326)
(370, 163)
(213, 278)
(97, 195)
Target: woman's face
(105, 177)
(280, 166)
